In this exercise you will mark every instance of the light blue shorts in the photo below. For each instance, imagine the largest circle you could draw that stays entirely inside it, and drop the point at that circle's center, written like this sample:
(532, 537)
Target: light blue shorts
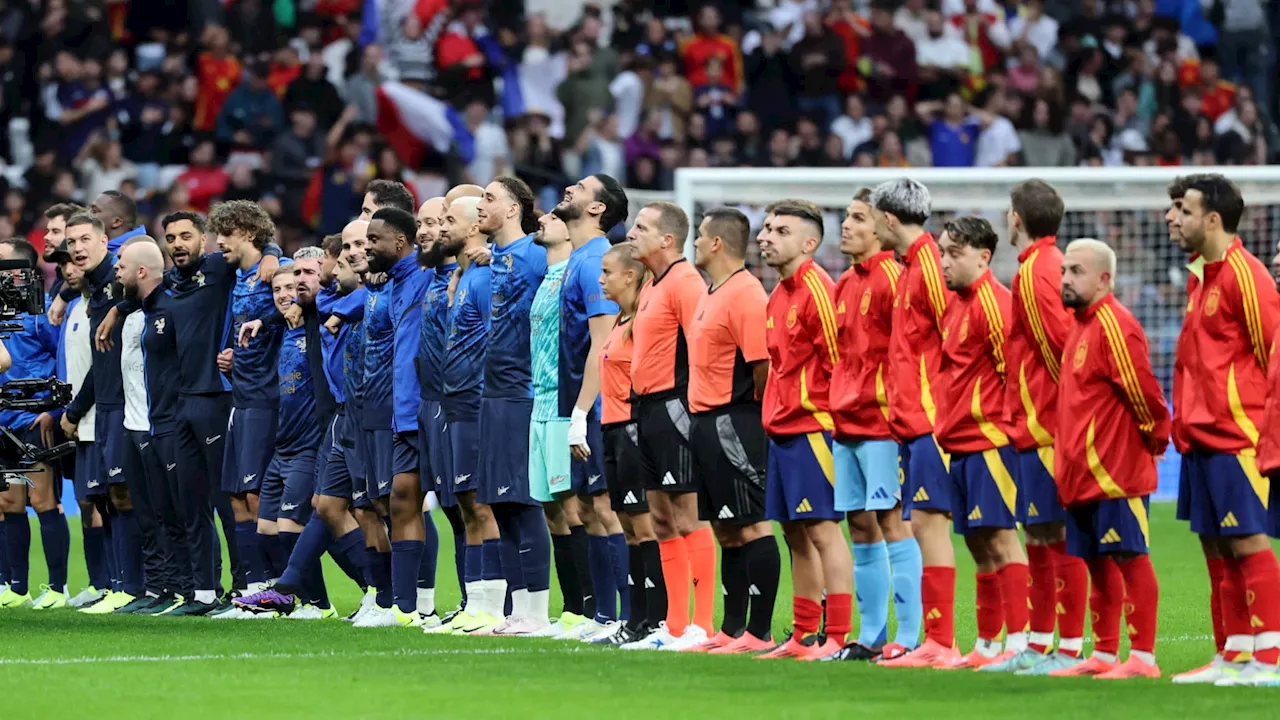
(549, 459)
(866, 475)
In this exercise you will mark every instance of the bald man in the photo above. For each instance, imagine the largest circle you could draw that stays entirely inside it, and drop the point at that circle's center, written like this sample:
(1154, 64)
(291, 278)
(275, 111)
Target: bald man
(150, 408)
(462, 191)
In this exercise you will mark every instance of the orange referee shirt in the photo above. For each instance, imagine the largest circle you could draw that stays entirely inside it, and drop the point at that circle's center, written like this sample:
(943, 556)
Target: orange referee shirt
(1113, 420)
(864, 314)
(915, 345)
(971, 411)
(661, 355)
(1039, 330)
(1229, 327)
(725, 337)
(801, 333)
(615, 376)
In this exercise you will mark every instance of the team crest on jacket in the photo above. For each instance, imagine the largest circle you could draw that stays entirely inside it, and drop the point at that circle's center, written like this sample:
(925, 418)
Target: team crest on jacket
(509, 260)
(1082, 352)
(462, 295)
(106, 290)
(964, 329)
(792, 316)
(1211, 302)
(301, 344)
(199, 278)
(252, 282)
(160, 326)
(866, 302)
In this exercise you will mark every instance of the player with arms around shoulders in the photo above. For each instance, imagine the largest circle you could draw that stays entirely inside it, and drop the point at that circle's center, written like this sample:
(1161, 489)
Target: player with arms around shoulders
(886, 557)
(803, 347)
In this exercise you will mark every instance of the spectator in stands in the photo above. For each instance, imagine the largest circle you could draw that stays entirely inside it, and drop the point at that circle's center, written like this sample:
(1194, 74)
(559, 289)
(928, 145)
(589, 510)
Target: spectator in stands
(889, 63)
(218, 72)
(204, 179)
(1033, 27)
(912, 20)
(1043, 141)
(312, 88)
(671, 95)
(628, 90)
(818, 60)
(361, 89)
(103, 165)
(716, 100)
(707, 44)
(953, 131)
(771, 78)
(942, 58)
(586, 89)
(252, 108)
(853, 127)
(851, 28)
(998, 144)
(491, 151)
(295, 155)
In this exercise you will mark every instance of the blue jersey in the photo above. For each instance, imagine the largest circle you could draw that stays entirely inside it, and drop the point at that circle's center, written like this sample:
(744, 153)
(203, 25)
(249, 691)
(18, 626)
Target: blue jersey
(104, 385)
(435, 328)
(517, 269)
(115, 244)
(201, 294)
(581, 299)
(161, 361)
(408, 287)
(379, 355)
(347, 307)
(297, 428)
(253, 373)
(34, 352)
(544, 322)
(465, 346)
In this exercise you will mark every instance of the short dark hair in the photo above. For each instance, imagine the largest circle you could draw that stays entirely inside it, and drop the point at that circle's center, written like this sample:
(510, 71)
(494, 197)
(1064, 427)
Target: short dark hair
(84, 218)
(196, 219)
(332, 245)
(227, 217)
(1219, 195)
(521, 193)
(1177, 188)
(974, 232)
(63, 210)
(615, 201)
(732, 227)
(284, 271)
(402, 221)
(125, 206)
(22, 249)
(671, 220)
(389, 193)
(1039, 205)
(798, 208)
(863, 195)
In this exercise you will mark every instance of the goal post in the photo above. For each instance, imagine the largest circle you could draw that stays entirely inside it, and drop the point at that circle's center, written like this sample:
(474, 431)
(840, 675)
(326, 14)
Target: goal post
(1123, 207)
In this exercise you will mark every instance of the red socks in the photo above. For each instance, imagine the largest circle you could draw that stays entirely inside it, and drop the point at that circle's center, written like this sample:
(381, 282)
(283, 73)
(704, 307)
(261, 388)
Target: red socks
(1105, 602)
(990, 606)
(937, 600)
(1235, 608)
(1261, 572)
(1217, 572)
(701, 544)
(1043, 596)
(808, 616)
(1143, 597)
(1071, 575)
(839, 616)
(1014, 582)
(676, 572)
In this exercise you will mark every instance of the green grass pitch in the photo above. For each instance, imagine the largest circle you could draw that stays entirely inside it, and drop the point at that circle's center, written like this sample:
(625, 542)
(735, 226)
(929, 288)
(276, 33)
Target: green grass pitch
(63, 664)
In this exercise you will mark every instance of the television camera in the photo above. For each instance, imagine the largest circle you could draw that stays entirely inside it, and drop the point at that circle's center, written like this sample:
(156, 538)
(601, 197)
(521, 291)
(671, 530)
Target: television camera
(35, 396)
(21, 293)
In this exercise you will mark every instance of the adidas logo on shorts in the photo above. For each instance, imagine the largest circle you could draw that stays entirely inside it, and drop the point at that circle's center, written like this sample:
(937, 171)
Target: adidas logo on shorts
(725, 513)
(668, 479)
(630, 498)
(879, 494)
(753, 590)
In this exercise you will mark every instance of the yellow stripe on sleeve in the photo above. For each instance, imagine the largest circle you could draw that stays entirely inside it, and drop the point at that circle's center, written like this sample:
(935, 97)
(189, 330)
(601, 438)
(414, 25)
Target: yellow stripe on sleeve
(1027, 292)
(933, 284)
(893, 272)
(995, 323)
(826, 313)
(1249, 302)
(1128, 375)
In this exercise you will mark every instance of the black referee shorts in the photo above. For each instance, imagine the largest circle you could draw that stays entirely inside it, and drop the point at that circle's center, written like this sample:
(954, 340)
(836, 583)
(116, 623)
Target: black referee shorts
(730, 452)
(622, 468)
(665, 460)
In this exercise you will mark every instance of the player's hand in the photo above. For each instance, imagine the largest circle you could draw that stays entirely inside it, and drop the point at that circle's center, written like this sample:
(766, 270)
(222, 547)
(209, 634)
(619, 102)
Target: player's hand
(57, 311)
(267, 267)
(293, 316)
(68, 428)
(479, 255)
(103, 338)
(249, 331)
(376, 278)
(333, 325)
(45, 423)
(578, 435)
(225, 360)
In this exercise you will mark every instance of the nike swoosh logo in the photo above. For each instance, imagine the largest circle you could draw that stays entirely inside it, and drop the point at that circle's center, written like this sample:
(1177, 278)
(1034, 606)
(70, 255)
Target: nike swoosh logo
(212, 440)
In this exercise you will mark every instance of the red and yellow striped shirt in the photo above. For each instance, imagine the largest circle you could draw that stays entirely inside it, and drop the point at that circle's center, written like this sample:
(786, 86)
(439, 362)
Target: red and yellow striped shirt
(864, 313)
(916, 341)
(1038, 333)
(1227, 334)
(1181, 361)
(971, 394)
(801, 332)
(1113, 420)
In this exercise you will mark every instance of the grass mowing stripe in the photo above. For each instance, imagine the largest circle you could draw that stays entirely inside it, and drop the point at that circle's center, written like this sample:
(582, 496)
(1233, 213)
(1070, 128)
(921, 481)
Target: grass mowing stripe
(86, 660)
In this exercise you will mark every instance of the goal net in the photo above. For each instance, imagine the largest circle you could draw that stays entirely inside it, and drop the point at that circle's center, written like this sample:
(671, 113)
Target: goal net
(1122, 206)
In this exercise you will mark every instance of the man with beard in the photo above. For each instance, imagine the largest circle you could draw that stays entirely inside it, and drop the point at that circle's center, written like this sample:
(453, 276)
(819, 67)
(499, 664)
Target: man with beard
(589, 209)
(392, 251)
(436, 468)
(150, 405)
(505, 214)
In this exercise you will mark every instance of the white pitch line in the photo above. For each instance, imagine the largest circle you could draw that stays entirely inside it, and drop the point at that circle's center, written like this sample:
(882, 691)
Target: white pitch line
(88, 660)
